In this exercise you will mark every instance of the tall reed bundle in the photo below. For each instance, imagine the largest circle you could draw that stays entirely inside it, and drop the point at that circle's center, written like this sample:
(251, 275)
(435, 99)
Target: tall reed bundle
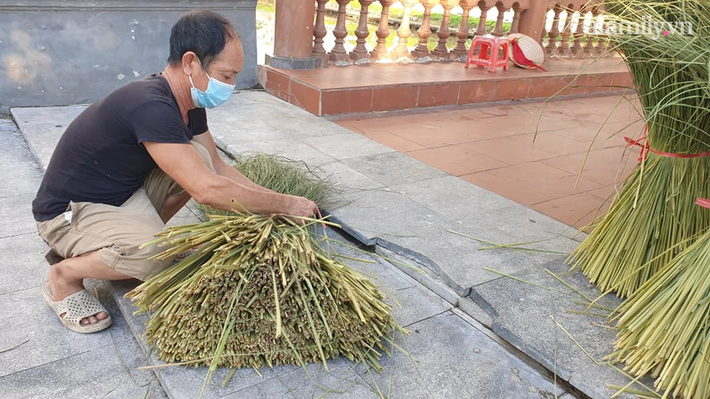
(259, 291)
(654, 217)
(665, 327)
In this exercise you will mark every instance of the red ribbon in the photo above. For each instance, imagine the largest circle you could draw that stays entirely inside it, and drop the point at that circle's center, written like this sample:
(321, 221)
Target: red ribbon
(520, 57)
(645, 145)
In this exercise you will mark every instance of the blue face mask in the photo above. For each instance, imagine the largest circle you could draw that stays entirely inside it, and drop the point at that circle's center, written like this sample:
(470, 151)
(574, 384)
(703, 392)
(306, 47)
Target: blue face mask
(217, 93)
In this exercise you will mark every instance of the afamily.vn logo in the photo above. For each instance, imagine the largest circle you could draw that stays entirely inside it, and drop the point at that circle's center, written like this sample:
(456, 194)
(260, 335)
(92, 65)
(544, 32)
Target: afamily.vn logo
(648, 26)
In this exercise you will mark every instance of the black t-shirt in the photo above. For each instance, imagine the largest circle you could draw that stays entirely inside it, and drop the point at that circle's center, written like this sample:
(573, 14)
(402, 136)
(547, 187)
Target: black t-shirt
(101, 159)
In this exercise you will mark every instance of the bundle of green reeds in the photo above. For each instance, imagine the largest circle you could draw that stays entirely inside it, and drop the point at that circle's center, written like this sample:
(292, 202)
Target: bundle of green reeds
(260, 291)
(665, 327)
(654, 217)
(284, 176)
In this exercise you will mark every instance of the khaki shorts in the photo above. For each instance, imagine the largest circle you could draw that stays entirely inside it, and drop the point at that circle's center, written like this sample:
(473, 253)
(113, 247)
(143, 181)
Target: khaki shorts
(117, 232)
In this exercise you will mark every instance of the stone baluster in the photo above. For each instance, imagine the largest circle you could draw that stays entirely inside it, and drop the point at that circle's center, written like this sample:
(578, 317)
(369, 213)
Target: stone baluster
(576, 49)
(481, 29)
(544, 28)
(462, 34)
(564, 49)
(404, 31)
(498, 30)
(441, 50)
(551, 48)
(383, 31)
(362, 32)
(514, 27)
(589, 49)
(601, 46)
(340, 32)
(422, 50)
(319, 32)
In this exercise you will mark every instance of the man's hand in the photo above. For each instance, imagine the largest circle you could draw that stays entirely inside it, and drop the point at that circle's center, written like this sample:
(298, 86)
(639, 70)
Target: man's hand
(303, 207)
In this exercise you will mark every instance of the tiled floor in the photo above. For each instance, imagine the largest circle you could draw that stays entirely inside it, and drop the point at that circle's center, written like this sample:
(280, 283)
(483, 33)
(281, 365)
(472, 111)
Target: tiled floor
(528, 152)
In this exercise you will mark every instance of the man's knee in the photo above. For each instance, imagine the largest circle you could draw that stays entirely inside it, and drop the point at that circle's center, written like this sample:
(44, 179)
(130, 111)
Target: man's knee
(140, 263)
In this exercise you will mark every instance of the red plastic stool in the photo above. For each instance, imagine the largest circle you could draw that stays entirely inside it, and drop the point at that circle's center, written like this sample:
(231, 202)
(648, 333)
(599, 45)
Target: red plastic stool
(488, 56)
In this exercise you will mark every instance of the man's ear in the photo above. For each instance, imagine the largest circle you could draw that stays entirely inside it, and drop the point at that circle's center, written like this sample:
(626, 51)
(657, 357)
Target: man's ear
(188, 62)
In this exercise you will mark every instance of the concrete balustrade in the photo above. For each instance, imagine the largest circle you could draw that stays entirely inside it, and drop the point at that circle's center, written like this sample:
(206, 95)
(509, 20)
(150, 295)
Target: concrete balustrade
(565, 38)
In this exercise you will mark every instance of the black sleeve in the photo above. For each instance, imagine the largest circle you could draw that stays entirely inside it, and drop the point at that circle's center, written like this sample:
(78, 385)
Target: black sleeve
(198, 121)
(158, 122)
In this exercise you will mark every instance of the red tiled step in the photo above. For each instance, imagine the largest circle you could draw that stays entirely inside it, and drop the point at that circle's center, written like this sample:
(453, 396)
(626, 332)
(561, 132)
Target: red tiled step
(389, 87)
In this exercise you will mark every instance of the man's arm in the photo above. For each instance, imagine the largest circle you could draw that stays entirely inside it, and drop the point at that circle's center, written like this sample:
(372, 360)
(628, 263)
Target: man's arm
(183, 163)
(222, 168)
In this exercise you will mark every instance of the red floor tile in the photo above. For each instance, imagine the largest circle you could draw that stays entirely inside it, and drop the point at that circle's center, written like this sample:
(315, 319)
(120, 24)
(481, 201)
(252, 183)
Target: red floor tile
(511, 150)
(456, 160)
(492, 147)
(577, 210)
(505, 187)
(393, 141)
(606, 167)
(607, 192)
(538, 177)
(432, 135)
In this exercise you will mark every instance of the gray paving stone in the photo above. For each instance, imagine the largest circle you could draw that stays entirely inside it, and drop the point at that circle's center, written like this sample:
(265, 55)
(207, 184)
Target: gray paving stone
(282, 118)
(19, 179)
(538, 276)
(523, 317)
(459, 258)
(347, 145)
(21, 174)
(27, 320)
(184, 216)
(394, 168)
(16, 215)
(446, 348)
(422, 273)
(425, 235)
(236, 129)
(287, 148)
(341, 381)
(364, 215)
(308, 125)
(93, 373)
(411, 302)
(452, 197)
(519, 224)
(42, 128)
(23, 263)
(258, 101)
(472, 309)
(347, 177)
